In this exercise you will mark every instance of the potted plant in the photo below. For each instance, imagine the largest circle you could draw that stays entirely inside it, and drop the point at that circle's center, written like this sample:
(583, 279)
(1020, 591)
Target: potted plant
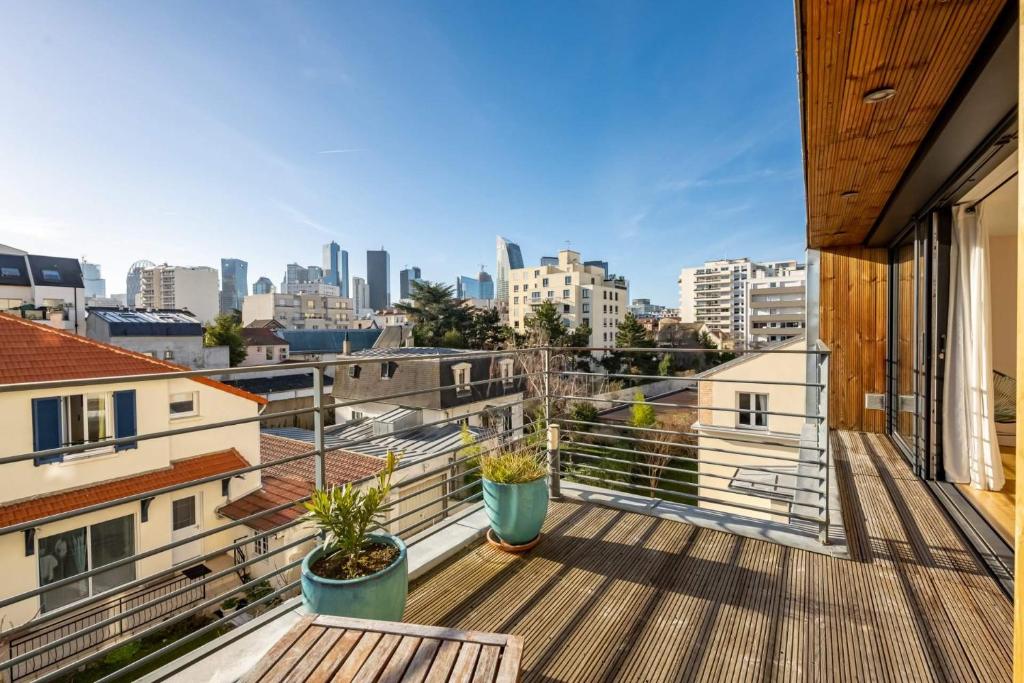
(353, 572)
(515, 493)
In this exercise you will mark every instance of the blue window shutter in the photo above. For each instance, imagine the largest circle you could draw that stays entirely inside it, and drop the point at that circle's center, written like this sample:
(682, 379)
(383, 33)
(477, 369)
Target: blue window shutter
(46, 431)
(124, 418)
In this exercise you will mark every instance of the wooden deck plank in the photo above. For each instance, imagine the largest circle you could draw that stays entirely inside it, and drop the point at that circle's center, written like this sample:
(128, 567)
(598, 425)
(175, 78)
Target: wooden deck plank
(610, 595)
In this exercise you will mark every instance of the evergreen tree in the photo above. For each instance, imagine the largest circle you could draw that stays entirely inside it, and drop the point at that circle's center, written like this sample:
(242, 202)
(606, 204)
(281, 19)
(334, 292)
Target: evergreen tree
(546, 327)
(631, 334)
(226, 330)
(434, 311)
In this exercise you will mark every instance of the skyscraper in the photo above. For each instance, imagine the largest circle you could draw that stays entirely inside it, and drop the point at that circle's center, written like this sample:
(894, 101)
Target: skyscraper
(406, 277)
(263, 286)
(95, 285)
(234, 284)
(360, 294)
(336, 267)
(486, 284)
(378, 278)
(467, 287)
(509, 257)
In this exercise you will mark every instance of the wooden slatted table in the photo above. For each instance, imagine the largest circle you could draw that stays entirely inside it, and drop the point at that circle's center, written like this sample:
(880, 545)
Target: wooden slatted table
(322, 648)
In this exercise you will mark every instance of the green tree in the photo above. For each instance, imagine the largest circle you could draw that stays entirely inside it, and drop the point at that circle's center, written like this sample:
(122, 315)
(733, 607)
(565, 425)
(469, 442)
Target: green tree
(666, 365)
(226, 330)
(434, 311)
(546, 327)
(485, 330)
(642, 413)
(631, 334)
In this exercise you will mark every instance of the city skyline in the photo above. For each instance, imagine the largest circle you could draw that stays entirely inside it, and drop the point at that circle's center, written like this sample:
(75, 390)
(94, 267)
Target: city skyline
(266, 133)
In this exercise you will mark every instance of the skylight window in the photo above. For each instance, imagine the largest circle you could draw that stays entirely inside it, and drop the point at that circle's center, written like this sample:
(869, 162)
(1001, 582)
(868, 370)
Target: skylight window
(50, 275)
(10, 271)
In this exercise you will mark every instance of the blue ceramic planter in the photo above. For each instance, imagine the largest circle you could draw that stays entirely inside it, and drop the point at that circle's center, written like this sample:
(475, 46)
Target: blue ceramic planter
(378, 596)
(516, 511)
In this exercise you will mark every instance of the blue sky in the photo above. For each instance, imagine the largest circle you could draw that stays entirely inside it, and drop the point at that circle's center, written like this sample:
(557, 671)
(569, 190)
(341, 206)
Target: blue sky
(650, 135)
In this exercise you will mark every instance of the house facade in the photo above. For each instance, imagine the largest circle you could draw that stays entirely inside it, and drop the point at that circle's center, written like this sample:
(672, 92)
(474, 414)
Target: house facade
(47, 289)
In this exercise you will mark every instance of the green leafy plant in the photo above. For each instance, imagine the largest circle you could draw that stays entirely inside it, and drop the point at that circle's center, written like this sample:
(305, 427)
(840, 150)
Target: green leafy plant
(345, 514)
(514, 464)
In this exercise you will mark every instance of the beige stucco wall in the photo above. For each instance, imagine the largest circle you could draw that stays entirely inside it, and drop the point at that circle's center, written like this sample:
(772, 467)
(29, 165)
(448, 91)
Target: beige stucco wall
(718, 428)
(1003, 269)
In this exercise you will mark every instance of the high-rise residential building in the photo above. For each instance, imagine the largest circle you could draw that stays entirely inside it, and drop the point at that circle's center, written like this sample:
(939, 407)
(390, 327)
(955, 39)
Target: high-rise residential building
(486, 284)
(178, 287)
(263, 286)
(360, 294)
(300, 311)
(234, 284)
(509, 258)
(378, 278)
(776, 302)
(467, 287)
(406, 277)
(133, 283)
(95, 285)
(584, 295)
(715, 293)
(336, 267)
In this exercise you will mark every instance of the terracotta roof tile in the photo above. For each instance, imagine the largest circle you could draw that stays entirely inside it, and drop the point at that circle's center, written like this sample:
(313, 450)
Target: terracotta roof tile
(35, 352)
(178, 473)
(274, 491)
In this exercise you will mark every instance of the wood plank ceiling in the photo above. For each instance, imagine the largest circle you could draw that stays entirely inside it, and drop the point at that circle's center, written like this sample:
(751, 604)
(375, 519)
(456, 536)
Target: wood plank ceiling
(848, 48)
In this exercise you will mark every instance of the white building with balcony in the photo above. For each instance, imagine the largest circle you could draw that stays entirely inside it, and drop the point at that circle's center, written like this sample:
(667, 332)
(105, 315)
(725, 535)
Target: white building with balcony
(47, 289)
(300, 311)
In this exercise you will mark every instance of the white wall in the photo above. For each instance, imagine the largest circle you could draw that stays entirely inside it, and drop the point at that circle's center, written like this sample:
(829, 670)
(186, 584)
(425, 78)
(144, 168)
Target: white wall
(1003, 273)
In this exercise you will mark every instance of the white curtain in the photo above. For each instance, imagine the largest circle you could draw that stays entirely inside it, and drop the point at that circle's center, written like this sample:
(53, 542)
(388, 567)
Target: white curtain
(970, 445)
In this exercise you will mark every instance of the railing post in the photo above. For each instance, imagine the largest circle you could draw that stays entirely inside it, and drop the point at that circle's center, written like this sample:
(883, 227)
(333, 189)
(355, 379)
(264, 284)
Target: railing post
(554, 462)
(319, 461)
(824, 452)
(547, 386)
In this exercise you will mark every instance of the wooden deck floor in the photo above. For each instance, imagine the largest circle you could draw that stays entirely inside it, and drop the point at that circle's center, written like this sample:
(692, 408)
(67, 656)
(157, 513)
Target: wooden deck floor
(611, 595)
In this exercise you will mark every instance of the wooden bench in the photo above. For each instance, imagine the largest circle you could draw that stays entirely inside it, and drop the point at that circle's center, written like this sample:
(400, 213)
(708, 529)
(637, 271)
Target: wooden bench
(321, 648)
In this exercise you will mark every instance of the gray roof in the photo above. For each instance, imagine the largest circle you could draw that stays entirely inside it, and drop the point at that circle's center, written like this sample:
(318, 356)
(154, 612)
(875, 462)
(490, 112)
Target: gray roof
(424, 442)
(410, 351)
(327, 341)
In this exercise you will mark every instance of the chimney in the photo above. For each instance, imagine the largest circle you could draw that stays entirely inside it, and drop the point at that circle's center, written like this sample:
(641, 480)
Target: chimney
(346, 346)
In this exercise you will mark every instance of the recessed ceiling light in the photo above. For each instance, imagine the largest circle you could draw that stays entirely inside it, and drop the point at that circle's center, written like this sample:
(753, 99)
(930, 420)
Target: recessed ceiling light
(848, 194)
(879, 95)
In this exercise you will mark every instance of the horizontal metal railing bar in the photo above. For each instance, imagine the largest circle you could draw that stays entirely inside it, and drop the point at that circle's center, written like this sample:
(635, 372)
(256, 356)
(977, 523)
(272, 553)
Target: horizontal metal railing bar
(141, 556)
(705, 499)
(710, 487)
(120, 441)
(238, 370)
(655, 430)
(694, 378)
(146, 605)
(443, 514)
(442, 482)
(687, 446)
(142, 661)
(433, 502)
(416, 392)
(669, 349)
(656, 404)
(703, 461)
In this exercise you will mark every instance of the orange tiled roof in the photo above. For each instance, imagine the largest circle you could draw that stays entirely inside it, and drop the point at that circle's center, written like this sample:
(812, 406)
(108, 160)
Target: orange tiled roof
(293, 480)
(179, 472)
(34, 352)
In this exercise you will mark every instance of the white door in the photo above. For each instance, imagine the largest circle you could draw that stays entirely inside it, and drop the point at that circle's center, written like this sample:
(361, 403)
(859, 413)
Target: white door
(185, 523)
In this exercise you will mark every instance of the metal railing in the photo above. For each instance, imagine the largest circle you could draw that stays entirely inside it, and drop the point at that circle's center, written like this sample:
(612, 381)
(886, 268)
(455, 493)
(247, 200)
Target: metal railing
(592, 445)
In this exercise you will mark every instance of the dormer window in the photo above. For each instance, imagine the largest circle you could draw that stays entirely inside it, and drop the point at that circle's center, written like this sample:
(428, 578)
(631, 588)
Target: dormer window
(462, 375)
(506, 366)
(50, 275)
(387, 370)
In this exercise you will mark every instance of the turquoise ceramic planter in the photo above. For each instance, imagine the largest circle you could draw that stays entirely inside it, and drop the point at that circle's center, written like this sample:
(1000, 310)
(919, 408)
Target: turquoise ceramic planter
(516, 511)
(378, 596)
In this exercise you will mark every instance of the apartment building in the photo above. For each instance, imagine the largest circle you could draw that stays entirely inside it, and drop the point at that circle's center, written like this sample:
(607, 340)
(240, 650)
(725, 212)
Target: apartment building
(584, 294)
(360, 295)
(299, 311)
(776, 303)
(37, 554)
(175, 336)
(192, 288)
(715, 293)
(47, 289)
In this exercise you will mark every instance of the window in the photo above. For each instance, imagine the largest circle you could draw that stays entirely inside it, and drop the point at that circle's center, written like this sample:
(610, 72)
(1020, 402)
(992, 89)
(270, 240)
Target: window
(261, 546)
(551, 294)
(10, 271)
(387, 370)
(565, 293)
(515, 288)
(586, 308)
(753, 410)
(515, 300)
(183, 513)
(462, 375)
(270, 353)
(50, 275)
(506, 366)
(71, 421)
(535, 296)
(168, 354)
(67, 554)
(568, 279)
(184, 404)
(544, 282)
(586, 293)
(282, 353)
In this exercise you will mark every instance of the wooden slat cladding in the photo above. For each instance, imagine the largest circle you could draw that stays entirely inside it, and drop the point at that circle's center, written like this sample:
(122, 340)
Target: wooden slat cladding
(853, 311)
(919, 47)
(610, 595)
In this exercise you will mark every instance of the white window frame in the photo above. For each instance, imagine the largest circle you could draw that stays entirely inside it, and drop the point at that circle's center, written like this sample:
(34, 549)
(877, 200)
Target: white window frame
(191, 413)
(261, 546)
(463, 375)
(506, 366)
(66, 421)
(752, 413)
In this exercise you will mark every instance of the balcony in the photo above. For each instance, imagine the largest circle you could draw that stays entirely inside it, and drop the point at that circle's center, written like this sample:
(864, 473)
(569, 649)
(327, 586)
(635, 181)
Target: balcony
(689, 548)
